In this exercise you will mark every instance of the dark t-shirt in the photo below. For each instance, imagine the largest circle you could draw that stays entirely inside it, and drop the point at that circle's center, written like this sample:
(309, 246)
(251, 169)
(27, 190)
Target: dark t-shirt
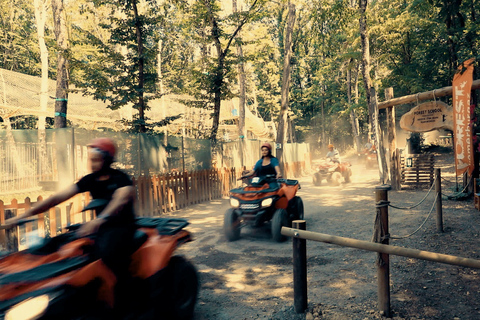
(104, 189)
(262, 170)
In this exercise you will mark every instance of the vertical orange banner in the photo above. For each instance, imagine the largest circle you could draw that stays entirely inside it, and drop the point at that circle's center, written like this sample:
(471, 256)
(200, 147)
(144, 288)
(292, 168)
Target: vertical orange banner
(461, 87)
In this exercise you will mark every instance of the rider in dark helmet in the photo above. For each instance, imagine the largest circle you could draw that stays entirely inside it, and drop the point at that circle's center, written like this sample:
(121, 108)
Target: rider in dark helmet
(114, 225)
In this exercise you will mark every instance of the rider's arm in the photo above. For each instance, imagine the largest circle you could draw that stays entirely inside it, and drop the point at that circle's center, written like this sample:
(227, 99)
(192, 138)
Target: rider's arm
(276, 165)
(121, 197)
(46, 204)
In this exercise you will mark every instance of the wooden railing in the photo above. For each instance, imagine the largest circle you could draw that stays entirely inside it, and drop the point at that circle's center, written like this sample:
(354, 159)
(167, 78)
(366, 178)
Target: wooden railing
(166, 193)
(156, 195)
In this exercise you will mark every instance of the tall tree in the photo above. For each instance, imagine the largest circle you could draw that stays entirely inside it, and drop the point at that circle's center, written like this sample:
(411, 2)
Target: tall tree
(220, 68)
(61, 92)
(122, 69)
(282, 119)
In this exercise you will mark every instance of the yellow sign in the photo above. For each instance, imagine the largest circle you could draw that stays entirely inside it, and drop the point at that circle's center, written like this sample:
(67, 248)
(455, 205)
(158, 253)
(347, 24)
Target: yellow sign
(427, 117)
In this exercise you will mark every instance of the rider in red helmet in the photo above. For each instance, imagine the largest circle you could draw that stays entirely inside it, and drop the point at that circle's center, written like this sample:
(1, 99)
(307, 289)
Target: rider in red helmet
(267, 165)
(115, 223)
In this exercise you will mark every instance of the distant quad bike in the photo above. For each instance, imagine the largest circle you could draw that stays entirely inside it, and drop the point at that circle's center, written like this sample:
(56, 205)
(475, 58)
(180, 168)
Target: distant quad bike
(62, 278)
(370, 158)
(263, 199)
(333, 172)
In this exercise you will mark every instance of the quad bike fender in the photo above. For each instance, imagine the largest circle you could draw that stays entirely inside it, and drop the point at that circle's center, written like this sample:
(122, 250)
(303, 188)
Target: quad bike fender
(155, 253)
(281, 203)
(96, 270)
(286, 193)
(21, 261)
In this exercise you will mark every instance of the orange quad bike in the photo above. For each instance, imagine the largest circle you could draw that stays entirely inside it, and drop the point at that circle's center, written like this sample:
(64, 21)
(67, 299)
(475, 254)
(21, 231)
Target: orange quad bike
(61, 278)
(261, 200)
(333, 172)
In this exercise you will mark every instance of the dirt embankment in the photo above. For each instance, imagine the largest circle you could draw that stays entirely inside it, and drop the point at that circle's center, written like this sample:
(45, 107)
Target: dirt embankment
(252, 278)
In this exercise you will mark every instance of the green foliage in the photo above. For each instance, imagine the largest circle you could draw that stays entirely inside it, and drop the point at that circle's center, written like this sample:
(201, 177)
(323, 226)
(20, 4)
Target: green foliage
(19, 49)
(415, 46)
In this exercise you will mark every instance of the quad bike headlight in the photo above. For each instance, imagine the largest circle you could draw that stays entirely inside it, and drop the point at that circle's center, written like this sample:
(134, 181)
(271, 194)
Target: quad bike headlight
(29, 309)
(267, 202)
(234, 203)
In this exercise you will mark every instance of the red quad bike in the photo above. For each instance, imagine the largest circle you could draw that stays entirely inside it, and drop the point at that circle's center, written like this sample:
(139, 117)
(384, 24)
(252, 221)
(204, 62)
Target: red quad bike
(370, 158)
(333, 172)
(263, 199)
(62, 279)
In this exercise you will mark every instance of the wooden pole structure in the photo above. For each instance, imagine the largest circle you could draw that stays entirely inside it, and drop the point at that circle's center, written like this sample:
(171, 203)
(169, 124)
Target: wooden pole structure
(378, 247)
(429, 95)
(438, 190)
(382, 164)
(392, 142)
(300, 269)
(383, 259)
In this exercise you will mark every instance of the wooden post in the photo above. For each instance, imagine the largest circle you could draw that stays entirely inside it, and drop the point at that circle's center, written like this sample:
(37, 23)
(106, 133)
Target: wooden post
(382, 165)
(392, 142)
(299, 269)
(383, 259)
(438, 190)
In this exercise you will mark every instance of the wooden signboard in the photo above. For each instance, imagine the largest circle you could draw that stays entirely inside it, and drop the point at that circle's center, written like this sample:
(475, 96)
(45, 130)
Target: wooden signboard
(427, 117)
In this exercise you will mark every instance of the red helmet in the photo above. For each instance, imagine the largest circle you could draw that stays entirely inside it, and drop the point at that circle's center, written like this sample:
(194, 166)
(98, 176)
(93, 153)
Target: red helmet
(267, 145)
(104, 144)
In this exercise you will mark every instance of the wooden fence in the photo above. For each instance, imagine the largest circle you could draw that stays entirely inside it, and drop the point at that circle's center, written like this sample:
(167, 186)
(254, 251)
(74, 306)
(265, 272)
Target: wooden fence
(166, 193)
(417, 171)
(156, 195)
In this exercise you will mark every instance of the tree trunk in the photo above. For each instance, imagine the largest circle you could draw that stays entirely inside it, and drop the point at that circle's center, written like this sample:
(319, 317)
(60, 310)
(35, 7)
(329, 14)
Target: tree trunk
(41, 17)
(162, 90)
(141, 62)
(242, 132)
(365, 57)
(61, 35)
(353, 115)
(282, 119)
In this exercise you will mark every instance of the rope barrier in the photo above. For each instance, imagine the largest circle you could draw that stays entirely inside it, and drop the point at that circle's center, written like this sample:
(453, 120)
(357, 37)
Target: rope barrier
(460, 192)
(421, 201)
(387, 236)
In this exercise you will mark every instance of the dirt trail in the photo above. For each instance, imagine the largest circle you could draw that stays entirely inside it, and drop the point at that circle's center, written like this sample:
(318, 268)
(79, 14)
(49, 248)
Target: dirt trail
(252, 278)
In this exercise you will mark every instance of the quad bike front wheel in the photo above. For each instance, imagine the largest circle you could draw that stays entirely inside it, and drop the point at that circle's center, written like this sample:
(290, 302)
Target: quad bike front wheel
(296, 211)
(183, 285)
(336, 177)
(279, 220)
(231, 225)
(347, 174)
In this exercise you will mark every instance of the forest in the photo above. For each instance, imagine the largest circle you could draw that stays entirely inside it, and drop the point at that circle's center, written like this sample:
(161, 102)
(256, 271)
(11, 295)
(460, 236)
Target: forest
(308, 63)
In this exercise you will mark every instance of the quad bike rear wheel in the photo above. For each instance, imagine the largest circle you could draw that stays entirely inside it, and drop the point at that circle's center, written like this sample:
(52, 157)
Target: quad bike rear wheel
(231, 225)
(279, 220)
(336, 177)
(183, 291)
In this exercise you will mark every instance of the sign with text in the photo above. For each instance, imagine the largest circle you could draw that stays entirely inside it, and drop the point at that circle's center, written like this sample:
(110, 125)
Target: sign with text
(461, 86)
(428, 116)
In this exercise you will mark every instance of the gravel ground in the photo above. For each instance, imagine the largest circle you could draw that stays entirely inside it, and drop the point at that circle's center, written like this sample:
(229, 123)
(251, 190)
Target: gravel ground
(252, 278)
